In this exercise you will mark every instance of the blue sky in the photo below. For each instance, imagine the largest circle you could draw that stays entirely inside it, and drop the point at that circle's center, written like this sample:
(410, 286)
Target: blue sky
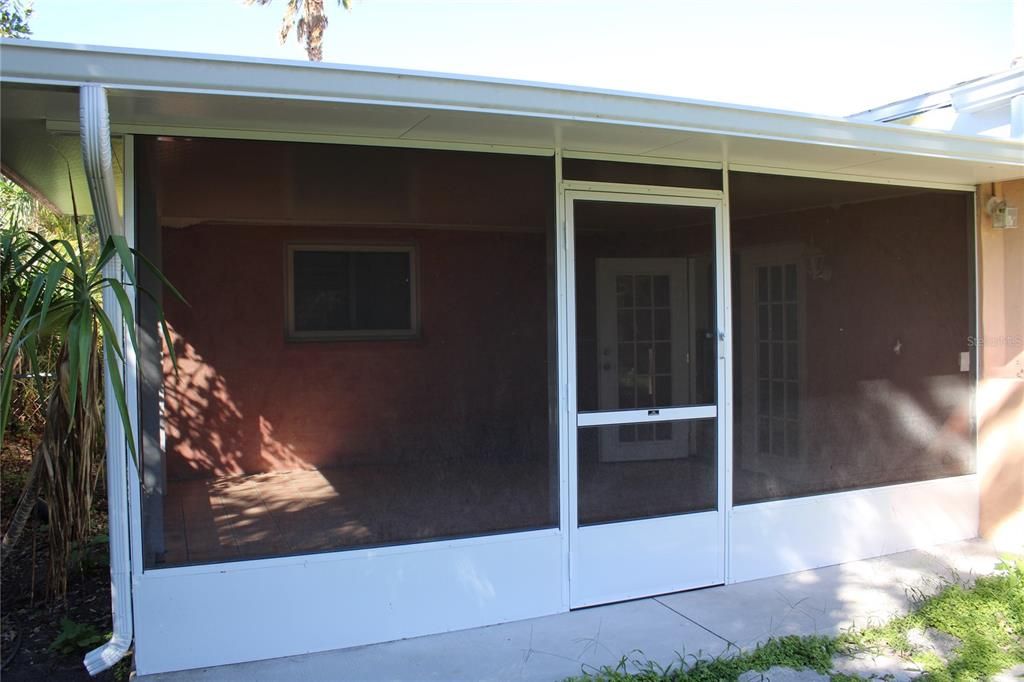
(820, 56)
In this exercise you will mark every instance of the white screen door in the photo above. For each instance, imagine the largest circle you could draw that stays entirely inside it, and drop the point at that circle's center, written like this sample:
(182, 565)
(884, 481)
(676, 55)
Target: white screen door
(646, 464)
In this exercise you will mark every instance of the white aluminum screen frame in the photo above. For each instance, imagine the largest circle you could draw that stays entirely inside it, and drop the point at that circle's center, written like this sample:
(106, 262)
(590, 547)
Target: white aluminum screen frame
(592, 582)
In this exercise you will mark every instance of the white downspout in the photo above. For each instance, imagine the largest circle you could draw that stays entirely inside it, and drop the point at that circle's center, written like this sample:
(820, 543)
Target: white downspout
(97, 158)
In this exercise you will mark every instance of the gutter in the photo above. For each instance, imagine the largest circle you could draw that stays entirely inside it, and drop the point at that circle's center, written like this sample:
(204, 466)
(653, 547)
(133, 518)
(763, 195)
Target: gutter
(97, 158)
(144, 73)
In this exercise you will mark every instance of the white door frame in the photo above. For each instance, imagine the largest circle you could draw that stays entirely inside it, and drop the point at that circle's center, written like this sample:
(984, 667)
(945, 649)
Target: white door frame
(566, 277)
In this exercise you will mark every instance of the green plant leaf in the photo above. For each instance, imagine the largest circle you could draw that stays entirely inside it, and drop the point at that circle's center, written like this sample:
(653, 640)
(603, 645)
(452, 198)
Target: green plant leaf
(109, 333)
(126, 310)
(164, 329)
(122, 406)
(53, 275)
(125, 252)
(38, 282)
(159, 275)
(85, 345)
(74, 358)
(106, 253)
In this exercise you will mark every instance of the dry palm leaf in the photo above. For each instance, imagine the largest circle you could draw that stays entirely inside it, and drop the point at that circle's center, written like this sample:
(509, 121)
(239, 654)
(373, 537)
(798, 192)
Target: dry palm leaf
(309, 20)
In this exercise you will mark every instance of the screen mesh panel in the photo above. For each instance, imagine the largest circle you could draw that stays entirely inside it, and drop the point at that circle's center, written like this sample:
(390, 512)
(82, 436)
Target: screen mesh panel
(852, 304)
(264, 445)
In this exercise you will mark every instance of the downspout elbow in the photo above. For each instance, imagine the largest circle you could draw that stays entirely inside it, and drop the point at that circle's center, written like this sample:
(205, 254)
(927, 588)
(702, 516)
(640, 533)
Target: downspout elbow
(107, 656)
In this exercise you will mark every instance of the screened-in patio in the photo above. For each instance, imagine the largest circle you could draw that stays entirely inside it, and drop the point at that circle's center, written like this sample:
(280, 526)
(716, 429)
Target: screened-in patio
(367, 354)
(456, 352)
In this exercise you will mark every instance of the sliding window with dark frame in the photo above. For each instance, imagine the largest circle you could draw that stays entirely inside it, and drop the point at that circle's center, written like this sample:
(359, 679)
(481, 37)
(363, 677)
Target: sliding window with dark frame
(351, 291)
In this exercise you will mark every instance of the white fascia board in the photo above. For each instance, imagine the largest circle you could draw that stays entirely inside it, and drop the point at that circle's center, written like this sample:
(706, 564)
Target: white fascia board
(139, 70)
(988, 92)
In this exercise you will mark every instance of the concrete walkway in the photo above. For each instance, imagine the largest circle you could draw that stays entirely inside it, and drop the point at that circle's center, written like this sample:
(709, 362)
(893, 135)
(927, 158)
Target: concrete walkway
(701, 622)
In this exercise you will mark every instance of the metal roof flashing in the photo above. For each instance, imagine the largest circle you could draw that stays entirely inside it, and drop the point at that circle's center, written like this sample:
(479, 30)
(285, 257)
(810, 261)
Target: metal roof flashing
(978, 94)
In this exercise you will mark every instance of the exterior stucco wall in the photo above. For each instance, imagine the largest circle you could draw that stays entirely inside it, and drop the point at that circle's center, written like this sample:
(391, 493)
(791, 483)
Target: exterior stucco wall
(1001, 386)
(247, 400)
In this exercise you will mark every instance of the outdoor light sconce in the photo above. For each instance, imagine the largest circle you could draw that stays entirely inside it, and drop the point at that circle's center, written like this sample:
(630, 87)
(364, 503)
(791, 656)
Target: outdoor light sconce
(1003, 217)
(817, 268)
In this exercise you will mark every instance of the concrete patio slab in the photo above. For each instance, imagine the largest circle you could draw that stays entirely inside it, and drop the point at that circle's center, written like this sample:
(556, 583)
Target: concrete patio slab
(829, 600)
(701, 622)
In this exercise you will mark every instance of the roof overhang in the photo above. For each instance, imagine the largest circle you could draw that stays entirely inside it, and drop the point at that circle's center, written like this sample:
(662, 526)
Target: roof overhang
(215, 96)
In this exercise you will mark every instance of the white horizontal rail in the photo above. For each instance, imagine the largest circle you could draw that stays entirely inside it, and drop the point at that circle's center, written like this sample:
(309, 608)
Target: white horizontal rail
(664, 414)
(641, 159)
(652, 190)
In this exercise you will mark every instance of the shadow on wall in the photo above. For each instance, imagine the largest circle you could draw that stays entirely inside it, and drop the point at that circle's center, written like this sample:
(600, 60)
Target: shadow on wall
(471, 390)
(202, 418)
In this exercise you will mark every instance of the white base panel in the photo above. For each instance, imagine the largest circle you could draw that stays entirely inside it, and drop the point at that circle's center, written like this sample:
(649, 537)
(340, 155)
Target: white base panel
(203, 616)
(618, 561)
(784, 536)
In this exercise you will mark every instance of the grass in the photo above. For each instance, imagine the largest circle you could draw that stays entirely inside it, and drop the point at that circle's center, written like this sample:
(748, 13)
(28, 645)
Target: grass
(813, 652)
(987, 618)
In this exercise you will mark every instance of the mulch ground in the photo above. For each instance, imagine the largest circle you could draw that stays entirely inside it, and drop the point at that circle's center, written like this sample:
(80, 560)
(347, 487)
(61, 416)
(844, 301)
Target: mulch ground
(30, 622)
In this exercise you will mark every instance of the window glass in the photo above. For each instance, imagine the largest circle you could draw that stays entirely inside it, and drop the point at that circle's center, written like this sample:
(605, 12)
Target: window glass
(851, 308)
(341, 290)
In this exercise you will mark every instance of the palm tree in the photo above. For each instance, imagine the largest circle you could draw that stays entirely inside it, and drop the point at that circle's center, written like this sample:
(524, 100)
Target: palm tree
(309, 19)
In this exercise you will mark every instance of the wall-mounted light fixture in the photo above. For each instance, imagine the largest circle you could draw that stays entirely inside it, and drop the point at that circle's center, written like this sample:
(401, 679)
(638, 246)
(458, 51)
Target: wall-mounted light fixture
(1003, 217)
(817, 268)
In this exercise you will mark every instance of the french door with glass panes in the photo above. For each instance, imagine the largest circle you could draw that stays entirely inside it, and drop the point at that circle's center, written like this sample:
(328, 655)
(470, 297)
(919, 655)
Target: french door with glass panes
(646, 312)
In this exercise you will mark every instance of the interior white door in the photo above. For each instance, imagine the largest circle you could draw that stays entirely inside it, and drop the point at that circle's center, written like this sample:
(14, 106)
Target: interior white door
(643, 349)
(645, 308)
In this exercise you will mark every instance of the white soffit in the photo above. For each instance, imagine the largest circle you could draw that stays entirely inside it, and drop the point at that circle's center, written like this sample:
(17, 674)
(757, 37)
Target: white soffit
(177, 93)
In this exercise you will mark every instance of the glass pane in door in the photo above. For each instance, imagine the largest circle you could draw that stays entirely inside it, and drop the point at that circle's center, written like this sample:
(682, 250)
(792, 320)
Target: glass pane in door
(646, 340)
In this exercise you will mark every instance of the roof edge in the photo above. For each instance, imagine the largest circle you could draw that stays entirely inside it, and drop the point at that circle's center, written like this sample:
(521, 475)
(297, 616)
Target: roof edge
(127, 69)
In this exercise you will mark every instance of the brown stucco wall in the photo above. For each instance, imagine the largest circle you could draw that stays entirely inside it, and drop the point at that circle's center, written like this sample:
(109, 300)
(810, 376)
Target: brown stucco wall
(247, 400)
(473, 387)
(1001, 385)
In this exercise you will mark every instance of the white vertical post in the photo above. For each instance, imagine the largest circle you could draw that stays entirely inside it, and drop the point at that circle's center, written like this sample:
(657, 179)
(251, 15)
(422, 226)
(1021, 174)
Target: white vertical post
(131, 370)
(565, 427)
(725, 414)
